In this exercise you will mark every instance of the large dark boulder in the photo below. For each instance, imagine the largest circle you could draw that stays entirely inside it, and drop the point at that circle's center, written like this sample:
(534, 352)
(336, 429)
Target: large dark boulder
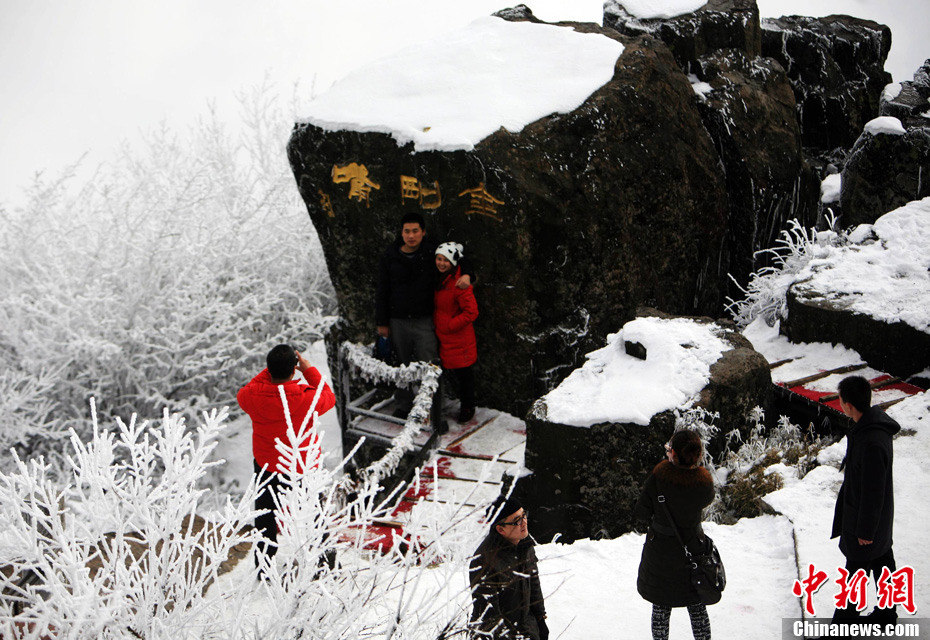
(884, 171)
(618, 203)
(750, 114)
(836, 66)
(586, 480)
(720, 24)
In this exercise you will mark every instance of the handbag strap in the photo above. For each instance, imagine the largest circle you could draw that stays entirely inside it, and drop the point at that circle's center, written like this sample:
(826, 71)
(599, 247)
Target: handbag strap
(668, 514)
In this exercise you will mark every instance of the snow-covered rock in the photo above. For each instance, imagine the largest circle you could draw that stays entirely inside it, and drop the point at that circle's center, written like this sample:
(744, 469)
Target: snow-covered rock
(872, 296)
(592, 440)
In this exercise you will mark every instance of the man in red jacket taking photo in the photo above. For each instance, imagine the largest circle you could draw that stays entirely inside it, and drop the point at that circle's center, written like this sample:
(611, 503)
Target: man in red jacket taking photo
(262, 399)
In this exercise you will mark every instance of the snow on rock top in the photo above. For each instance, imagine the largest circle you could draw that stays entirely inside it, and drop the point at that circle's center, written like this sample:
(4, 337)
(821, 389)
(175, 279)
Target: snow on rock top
(891, 91)
(613, 386)
(887, 278)
(450, 94)
(885, 124)
(646, 9)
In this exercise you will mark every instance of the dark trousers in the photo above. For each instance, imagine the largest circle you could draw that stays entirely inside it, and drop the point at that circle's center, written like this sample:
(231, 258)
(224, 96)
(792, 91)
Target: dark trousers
(873, 568)
(267, 523)
(414, 340)
(465, 381)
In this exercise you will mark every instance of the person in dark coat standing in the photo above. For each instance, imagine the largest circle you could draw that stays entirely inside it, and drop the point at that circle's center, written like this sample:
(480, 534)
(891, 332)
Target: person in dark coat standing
(506, 594)
(404, 298)
(455, 311)
(864, 512)
(664, 575)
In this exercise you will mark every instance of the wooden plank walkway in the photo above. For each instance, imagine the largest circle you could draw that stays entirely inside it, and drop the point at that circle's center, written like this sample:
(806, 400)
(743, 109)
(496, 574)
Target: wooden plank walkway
(810, 383)
(467, 468)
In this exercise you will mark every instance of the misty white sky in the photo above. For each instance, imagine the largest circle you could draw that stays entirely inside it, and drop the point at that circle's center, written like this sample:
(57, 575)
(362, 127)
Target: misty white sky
(80, 77)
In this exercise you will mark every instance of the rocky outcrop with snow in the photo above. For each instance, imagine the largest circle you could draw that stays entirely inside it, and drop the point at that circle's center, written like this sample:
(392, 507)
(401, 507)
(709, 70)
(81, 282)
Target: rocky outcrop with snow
(836, 66)
(749, 109)
(592, 440)
(720, 24)
(574, 218)
(587, 170)
(873, 294)
(909, 101)
(890, 162)
(749, 112)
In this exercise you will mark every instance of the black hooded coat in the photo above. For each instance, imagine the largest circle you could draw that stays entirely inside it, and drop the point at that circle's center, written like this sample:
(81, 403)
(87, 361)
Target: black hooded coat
(664, 575)
(506, 592)
(865, 504)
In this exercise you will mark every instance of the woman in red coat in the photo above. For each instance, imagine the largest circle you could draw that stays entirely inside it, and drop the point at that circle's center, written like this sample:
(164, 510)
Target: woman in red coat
(454, 312)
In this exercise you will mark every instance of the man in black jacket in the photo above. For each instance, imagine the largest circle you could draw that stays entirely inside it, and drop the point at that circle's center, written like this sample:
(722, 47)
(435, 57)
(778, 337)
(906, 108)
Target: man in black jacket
(864, 512)
(404, 298)
(506, 594)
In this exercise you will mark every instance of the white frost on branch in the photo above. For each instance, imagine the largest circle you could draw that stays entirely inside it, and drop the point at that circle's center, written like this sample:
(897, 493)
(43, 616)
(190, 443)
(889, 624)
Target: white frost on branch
(766, 294)
(119, 549)
(158, 282)
(377, 372)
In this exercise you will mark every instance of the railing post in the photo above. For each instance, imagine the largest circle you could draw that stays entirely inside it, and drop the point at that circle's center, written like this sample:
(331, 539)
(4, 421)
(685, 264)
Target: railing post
(435, 415)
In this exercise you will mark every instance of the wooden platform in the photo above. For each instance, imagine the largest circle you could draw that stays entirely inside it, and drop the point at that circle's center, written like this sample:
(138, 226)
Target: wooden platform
(803, 381)
(467, 468)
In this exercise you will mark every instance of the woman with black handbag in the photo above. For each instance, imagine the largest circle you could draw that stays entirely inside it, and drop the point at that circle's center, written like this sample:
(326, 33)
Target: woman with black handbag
(673, 497)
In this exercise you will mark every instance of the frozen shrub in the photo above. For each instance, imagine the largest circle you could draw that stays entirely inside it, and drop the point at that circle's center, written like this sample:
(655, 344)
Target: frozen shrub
(744, 465)
(119, 550)
(159, 282)
(766, 293)
(125, 549)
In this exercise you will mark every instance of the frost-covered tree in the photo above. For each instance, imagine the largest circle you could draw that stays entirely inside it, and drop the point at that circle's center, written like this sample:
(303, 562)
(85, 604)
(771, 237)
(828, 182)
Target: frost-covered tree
(127, 547)
(159, 281)
(121, 549)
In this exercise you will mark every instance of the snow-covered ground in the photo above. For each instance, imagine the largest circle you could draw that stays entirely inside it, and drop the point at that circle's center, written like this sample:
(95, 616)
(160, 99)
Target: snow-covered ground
(590, 585)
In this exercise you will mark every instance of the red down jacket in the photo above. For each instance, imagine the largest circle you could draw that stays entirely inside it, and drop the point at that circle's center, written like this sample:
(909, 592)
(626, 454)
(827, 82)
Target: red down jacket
(261, 399)
(454, 311)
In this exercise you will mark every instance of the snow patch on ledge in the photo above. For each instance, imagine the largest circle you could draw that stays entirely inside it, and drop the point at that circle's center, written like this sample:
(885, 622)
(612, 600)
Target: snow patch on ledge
(662, 9)
(886, 275)
(451, 93)
(884, 124)
(701, 89)
(613, 386)
(891, 91)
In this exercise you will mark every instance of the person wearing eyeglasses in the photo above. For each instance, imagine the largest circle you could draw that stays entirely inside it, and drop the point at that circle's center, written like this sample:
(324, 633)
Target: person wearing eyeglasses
(506, 595)
(664, 577)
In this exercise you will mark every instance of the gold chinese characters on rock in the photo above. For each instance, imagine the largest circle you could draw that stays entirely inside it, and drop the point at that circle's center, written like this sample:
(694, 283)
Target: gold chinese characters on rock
(482, 203)
(327, 203)
(412, 189)
(480, 200)
(356, 175)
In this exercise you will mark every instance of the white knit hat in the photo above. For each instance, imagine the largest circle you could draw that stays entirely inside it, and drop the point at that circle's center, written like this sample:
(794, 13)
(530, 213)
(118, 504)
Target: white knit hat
(451, 251)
